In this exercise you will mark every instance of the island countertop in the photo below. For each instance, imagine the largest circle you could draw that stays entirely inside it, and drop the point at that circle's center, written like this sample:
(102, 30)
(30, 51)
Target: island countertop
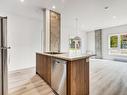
(67, 56)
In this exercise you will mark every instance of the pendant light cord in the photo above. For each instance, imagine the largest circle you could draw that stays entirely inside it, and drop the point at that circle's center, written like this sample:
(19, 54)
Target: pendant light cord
(76, 26)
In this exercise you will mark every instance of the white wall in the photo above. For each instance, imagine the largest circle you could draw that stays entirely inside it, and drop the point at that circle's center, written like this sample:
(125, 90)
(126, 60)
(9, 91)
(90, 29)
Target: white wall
(105, 44)
(24, 37)
(91, 42)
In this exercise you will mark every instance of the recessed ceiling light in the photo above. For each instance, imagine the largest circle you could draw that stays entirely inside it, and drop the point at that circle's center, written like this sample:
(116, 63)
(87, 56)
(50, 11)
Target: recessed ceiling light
(54, 7)
(21, 0)
(106, 8)
(114, 17)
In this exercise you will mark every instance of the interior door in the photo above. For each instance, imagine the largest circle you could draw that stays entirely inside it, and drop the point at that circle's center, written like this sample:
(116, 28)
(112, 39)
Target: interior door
(3, 56)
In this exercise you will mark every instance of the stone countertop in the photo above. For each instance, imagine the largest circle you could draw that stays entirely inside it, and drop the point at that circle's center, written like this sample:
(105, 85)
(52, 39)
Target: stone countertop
(67, 56)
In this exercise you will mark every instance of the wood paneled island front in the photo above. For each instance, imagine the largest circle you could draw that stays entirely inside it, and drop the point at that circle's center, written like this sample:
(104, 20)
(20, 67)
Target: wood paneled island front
(77, 71)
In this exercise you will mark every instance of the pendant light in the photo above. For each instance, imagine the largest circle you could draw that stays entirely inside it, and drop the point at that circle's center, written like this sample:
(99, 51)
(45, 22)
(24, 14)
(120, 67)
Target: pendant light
(75, 42)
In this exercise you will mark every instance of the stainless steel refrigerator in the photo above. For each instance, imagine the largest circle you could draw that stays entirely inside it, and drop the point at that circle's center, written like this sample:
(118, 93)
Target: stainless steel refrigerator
(3, 56)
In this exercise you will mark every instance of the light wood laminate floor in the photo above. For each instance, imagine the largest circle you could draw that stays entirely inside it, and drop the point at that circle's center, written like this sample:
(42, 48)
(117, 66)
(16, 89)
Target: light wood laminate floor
(106, 78)
(26, 82)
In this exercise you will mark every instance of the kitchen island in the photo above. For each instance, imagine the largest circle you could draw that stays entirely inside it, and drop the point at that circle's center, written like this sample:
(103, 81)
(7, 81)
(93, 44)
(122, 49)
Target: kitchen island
(65, 74)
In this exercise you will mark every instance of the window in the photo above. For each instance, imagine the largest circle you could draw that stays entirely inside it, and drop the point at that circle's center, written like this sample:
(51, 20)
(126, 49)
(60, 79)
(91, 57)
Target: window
(114, 42)
(118, 44)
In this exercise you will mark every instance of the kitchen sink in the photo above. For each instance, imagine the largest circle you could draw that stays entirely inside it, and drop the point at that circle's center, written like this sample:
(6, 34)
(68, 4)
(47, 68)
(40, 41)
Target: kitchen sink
(53, 52)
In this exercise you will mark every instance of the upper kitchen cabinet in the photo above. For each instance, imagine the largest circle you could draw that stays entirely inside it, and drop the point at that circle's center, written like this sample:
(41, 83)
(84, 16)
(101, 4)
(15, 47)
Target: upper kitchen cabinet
(52, 29)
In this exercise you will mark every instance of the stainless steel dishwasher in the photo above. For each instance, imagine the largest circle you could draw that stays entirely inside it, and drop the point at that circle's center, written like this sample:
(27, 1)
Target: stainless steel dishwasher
(58, 76)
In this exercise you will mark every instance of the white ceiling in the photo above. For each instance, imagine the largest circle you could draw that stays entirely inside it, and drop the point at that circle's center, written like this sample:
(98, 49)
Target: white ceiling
(91, 13)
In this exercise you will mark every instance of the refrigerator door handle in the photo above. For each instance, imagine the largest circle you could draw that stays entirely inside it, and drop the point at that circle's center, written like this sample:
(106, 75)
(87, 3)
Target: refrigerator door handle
(5, 47)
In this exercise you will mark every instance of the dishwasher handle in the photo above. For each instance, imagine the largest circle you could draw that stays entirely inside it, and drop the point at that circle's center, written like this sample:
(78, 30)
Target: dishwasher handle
(59, 61)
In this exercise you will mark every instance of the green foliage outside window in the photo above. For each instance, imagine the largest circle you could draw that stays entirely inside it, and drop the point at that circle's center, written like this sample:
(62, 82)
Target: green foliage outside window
(113, 41)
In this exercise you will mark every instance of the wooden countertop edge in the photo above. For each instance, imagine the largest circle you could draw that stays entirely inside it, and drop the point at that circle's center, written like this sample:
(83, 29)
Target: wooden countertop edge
(59, 56)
